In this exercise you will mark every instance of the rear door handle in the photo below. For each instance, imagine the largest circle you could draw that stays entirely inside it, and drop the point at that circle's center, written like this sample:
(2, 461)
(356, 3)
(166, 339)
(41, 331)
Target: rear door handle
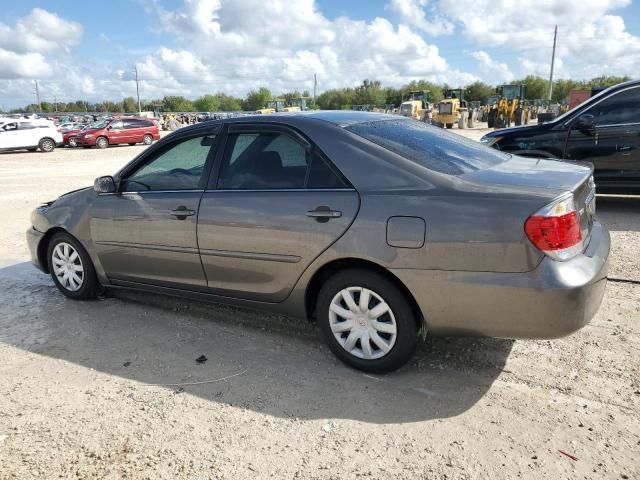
(323, 213)
(182, 212)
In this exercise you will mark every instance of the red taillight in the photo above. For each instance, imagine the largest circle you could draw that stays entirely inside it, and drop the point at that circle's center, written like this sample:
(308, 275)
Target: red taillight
(554, 233)
(555, 230)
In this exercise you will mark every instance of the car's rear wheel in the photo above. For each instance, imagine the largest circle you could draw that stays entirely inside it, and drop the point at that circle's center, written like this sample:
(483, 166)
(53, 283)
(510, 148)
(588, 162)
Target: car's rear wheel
(72, 142)
(47, 145)
(102, 142)
(147, 139)
(132, 144)
(71, 268)
(367, 321)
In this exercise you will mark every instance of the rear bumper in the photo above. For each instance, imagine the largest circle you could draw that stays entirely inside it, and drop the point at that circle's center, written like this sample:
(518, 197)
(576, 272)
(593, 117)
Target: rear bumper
(33, 241)
(554, 300)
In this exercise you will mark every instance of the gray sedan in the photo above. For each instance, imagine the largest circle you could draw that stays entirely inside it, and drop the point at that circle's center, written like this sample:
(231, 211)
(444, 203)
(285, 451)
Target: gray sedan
(376, 226)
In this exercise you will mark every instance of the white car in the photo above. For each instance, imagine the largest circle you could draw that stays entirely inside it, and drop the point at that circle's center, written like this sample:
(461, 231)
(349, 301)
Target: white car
(30, 134)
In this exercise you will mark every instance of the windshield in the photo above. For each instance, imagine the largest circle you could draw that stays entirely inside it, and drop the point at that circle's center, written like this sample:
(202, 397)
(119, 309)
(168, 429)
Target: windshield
(429, 146)
(100, 124)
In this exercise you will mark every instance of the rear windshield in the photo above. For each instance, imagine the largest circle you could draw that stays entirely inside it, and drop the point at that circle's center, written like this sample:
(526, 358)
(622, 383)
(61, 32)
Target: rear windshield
(429, 146)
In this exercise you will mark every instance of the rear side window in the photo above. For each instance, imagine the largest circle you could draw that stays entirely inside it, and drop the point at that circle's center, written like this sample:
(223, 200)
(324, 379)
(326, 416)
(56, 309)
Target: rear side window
(430, 147)
(271, 161)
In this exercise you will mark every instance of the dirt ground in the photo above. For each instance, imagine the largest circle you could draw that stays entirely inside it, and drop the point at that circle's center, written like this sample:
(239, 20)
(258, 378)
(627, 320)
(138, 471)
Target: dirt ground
(88, 388)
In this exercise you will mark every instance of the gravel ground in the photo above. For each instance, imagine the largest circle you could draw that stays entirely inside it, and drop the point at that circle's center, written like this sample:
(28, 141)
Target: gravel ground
(86, 394)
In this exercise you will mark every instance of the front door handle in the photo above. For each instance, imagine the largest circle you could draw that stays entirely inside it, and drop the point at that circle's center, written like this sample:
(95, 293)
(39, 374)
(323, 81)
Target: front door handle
(182, 212)
(323, 213)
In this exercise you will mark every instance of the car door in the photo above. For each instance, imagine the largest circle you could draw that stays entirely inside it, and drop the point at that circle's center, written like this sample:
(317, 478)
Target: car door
(613, 146)
(116, 132)
(146, 231)
(10, 137)
(274, 205)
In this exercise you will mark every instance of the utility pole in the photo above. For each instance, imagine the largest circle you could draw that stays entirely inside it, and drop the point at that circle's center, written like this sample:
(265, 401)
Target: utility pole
(38, 96)
(55, 104)
(135, 69)
(553, 58)
(315, 84)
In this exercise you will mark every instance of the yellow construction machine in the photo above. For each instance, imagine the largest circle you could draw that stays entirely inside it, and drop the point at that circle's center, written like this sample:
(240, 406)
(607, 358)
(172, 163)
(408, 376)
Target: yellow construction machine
(449, 110)
(417, 105)
(284, 105)
(511, 107)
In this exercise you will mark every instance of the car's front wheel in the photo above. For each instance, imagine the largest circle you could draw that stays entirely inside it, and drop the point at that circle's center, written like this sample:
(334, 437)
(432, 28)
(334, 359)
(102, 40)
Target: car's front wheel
(71, 268)
(367, 321)
(147, 139)
(102, 142)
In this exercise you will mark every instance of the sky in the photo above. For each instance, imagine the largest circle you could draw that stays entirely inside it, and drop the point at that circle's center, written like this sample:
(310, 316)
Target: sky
(79, 50)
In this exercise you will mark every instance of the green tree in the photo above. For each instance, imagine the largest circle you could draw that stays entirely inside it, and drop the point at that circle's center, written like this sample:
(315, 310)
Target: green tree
(336, 99)
(229, 103)
(207, 103)
(130, 105)
(534, 87)
(478, 91)
(370, 93)
(46, 107)
(177, 104)
(257, 99)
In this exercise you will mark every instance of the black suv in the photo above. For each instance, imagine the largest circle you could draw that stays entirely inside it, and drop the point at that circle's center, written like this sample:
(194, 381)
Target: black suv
(604, 130)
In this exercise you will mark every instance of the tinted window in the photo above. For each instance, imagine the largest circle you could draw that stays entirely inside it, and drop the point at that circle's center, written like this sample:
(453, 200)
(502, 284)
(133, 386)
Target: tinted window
(265, 160)
(322, 176)
(429, 146)
(130, 124)
(623, 107)
(178, 168)
(116, 125)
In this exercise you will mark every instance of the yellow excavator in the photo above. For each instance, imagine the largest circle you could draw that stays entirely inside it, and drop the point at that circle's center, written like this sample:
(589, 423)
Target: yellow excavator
(417, 106)
(448, 110)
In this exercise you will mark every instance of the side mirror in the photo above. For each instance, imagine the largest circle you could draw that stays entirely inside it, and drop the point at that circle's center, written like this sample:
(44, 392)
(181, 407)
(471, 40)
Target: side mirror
(585, 122)
(109, 127)
(104, 184)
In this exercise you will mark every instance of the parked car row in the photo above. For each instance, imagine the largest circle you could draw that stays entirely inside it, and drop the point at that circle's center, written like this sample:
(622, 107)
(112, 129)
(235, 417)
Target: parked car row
(33, 133)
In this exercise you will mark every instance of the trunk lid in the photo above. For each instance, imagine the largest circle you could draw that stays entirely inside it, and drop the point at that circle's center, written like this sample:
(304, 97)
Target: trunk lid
(558, 176)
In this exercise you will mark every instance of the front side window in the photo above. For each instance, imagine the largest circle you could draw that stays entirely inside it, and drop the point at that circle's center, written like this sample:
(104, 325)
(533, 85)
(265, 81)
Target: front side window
(620, 108)
(180, 167)
(116, 125)
(273, 160)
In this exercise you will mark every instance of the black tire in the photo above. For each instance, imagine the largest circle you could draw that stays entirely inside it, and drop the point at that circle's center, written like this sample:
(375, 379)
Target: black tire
(406, 325)
(32, 149)
(102, 142)
(132, 144)
(449, 125)
(89, 287)
(147, 139)
(47, 145)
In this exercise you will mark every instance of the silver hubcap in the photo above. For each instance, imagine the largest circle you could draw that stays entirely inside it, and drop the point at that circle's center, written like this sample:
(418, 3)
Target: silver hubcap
(72, 143)
(102, 143)
(362, 323)
(67, 266)
(147, 140)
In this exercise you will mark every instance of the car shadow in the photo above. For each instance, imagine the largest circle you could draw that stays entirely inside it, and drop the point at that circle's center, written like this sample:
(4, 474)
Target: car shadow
(618, 212)
(267, 363)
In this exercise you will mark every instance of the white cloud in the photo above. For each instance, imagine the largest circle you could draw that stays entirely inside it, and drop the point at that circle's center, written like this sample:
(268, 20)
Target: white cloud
(491, 69)
(413, 12)
(40, 32)
(591, 41)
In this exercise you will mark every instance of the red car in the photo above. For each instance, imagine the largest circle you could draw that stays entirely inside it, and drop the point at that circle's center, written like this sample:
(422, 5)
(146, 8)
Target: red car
(69, 138)
(115, 131)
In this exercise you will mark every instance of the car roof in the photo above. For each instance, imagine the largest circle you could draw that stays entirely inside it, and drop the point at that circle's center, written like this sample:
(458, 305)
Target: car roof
(339, 118)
